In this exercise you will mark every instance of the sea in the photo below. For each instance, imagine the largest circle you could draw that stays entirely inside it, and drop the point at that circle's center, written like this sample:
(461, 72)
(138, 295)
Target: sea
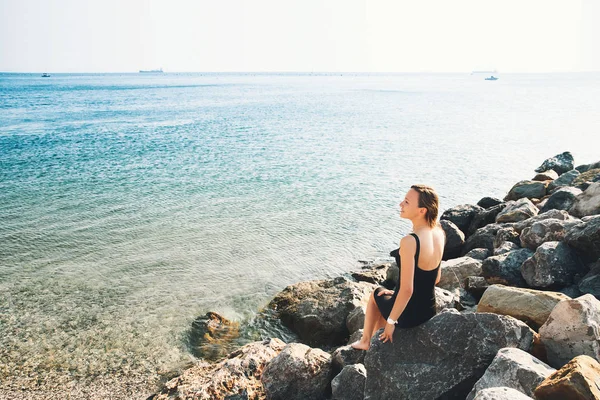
(131, 204)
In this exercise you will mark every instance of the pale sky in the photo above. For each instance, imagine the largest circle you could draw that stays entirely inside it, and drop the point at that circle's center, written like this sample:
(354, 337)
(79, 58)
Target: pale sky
(299, 35)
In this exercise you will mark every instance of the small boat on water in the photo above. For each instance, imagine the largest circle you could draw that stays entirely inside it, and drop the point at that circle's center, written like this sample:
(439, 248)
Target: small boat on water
(151, 71)
(45, 75)
(491, 78)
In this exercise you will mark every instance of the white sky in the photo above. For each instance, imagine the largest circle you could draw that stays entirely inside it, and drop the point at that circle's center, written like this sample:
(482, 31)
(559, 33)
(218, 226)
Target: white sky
(300, 35)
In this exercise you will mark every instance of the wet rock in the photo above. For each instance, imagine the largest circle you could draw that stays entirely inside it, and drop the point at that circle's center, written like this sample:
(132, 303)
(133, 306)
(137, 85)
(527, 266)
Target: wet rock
(455, 272)
(240, 371)
(317, 310)
(560, 163)
(485, 217)
(451, 349)
(212, 336)
(530, 306)
(461, 215)
(478, 254)
(565, 179)
(515, 369)
(528, 189)
(516, 211)
(505, 247)
(489, 202)
(556, 214)
(577, 380)
(554, 264)
(572, 329)
(562, 199)
(482, 238)
(298, 373)
(549, 175)
(500, 393)
(588, 202)
(350, 383)
(547, 230)
(455, 239)
(505, 269)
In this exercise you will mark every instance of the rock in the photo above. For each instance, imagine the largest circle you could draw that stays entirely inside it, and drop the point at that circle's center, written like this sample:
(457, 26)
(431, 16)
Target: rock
(516, 211)
(556, 214)
(461, 215)
(317, 310)
(489, 202)
(561, 199)
(356, 319)
(500, 393)
(344, 356)
(529, 189)
(455, 272)
(505, 247)
(446, 299)
(476, 285)
(239, 371)
(376, 274)
(485, 217)
(505, 269)
(549, 175)
(586, 167)
(560, 163)
(482, 238)
(577, 380)
(588, 202)
(298, 372)
(513, 368)
(591, 282)
(508, 234)
(350, 383)
(572, 329)
(542, 203)
(455, 239)
(517, 302)
(212, 336)
(451, 350)
(554, 264)
(392, 276)
(571, 291)
(564, 180)
(478, 254)
(547, 230)
(592, 175)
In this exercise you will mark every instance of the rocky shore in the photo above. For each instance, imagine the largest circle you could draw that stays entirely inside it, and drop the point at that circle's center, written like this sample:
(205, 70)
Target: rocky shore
(518, 313)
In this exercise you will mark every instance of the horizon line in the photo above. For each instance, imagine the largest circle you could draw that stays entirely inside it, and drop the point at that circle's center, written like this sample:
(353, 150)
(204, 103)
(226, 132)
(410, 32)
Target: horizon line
(299, 72)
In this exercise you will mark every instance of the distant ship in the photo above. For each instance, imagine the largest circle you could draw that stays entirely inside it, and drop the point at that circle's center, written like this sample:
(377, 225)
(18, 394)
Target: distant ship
(152, 71)
(491, 78)
(45, 75)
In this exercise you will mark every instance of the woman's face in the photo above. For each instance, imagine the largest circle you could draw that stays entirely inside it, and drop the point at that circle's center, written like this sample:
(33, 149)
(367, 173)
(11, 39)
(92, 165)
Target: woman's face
(409, 207)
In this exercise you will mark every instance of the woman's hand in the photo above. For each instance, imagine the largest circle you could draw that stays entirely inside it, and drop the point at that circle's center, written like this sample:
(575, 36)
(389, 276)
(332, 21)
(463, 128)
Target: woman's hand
(388, 332)
(386, 292)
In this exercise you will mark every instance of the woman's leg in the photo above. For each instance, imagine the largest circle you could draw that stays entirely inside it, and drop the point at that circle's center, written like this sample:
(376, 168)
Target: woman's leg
(373, 321)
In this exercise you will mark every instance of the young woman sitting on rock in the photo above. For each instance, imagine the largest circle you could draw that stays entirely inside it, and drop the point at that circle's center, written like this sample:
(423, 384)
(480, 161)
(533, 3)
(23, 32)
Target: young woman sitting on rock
(412, 302)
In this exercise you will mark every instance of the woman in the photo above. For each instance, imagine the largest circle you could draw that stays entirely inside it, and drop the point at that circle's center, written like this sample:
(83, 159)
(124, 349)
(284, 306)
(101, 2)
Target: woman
(412, 302)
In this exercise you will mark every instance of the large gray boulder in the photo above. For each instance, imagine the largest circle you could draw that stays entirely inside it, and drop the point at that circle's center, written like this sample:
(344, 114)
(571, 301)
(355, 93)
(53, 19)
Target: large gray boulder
(344, 356)
(485, 217)
(556, 214)
(554, 264)
(505, 269)
(507, 234)
(455, 272)
(562, 199)
(590, 283)
(572, 329)
(516, 211)
(482, 238)
(500, 393)
(515, 369)
(442, 358)
(455, 239)
(461, 215)
(588, 202)
(585, 237)
(298, 373)
(565, 179)
(529, 189)
(349, 384)
(547, 230)
(317, 310)
(560, 163)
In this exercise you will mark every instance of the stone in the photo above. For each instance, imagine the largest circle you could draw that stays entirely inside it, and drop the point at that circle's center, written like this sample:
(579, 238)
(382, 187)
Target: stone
(588, 202)
(476, 285)
(505, 269)
(349, 384)
(489, 202)
(571, 291)
(446, 299)
(344, 356)
(547, 230)
(565, 179)
(317, 310)
(505, 247)
(554, 264)
(356, 336)
(482, 238)
(461, 215)
(572, 329)
(530, 306)
(212, 336)
(579, 379)
(549, 175)
(297, 373)
(356, 319)
(528, 189)
(239, 371)
(515, 369)
(560, 163)
(555, 214)
(376, 273)
(508, 234)
(500, 393)
(561, 199)
(478, 254)
(455, 272)
(451, 349)
(485, 217)
(455, 239)
(516, 211)
(586, 167)
(590, 283)
(592, 175)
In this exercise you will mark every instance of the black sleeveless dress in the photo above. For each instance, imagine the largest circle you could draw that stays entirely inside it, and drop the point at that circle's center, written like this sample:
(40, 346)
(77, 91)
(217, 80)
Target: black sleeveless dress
(421, 306)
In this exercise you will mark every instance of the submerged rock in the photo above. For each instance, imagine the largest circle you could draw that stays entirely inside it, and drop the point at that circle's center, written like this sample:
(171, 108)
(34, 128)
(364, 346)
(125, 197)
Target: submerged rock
(212, 336)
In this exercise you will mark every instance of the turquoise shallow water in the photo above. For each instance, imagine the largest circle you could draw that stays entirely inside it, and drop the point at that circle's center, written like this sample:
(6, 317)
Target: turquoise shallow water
(130, 204)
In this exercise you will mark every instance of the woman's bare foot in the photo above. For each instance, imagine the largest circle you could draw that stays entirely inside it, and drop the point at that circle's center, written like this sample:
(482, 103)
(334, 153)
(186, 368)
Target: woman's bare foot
(360, 345)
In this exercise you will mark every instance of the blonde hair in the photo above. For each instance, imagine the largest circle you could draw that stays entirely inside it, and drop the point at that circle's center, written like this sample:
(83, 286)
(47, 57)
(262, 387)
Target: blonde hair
(428, 199)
